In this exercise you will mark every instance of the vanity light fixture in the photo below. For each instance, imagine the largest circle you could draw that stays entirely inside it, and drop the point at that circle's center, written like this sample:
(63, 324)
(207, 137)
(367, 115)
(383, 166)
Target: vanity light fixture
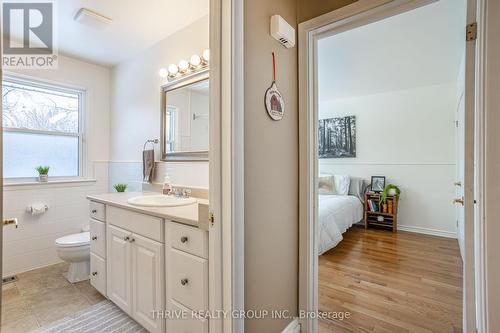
(173, 70)
(206, 56)
(163, 72)
(196, 63)
(183, 66)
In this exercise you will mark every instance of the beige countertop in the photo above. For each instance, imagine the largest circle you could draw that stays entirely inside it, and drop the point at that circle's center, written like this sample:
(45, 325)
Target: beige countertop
(187, 214)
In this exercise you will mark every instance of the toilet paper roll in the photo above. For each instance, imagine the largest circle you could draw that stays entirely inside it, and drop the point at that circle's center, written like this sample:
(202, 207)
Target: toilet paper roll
(37, 209)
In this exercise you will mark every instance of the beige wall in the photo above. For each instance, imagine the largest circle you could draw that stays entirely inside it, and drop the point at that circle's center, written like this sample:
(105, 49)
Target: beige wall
(271, 170)
(308, 9)
(492, 181)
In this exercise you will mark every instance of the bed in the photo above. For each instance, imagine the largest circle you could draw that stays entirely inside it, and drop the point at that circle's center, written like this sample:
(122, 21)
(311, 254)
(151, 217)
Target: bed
(336, 214)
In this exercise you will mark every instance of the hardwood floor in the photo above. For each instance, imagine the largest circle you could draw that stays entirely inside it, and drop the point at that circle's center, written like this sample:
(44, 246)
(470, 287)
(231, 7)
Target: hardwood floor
(391, 282)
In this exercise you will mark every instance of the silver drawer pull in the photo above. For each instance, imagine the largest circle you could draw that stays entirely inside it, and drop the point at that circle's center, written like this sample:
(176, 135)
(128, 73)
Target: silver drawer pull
(184, 281)
(94, 211)
(132, 240)
(94, 237)
(126, 238)
(94, 273)
(184, 239)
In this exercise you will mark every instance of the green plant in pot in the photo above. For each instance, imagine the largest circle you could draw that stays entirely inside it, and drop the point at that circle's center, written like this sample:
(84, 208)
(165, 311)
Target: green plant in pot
(120, 187)
(43, 173)
(390, 190)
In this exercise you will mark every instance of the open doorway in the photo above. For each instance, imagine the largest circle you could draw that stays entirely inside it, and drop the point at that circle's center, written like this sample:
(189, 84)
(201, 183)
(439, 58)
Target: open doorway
(387, 169)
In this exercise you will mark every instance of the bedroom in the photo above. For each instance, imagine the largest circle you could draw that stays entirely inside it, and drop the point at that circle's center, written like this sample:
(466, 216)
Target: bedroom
(390, 118)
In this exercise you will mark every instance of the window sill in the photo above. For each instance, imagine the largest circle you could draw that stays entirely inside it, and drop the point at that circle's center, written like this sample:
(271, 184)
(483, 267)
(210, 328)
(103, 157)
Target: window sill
(51, 183)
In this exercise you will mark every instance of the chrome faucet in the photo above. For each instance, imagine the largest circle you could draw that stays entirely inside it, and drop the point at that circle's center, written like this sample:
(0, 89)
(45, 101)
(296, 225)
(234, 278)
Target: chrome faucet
(181, 192)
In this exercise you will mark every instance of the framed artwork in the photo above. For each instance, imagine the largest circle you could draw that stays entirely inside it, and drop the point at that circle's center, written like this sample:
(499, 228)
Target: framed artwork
(337, 137)
(378, 183)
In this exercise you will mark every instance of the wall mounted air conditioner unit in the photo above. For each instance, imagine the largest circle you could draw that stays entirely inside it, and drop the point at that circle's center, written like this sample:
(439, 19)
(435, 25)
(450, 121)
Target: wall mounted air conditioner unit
(282, 31)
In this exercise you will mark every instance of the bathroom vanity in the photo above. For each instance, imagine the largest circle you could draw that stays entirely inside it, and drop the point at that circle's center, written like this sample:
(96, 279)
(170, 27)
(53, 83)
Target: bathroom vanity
(147, 259)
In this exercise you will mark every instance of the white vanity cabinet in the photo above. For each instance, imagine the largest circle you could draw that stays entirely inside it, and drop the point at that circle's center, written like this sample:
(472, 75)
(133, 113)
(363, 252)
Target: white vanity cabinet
(144, 263)
(147, 281)
(119, 268)
(97, 213)
(135, 267)
(186, 254)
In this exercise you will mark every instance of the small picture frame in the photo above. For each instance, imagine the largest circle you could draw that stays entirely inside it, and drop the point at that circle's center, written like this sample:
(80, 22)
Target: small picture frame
(378, 183)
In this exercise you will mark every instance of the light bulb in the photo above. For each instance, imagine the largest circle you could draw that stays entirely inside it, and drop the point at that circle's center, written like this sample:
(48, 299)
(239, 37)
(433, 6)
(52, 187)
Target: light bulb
(183, 66)
(173, 70)
(206, 55)
(195, 60)
(163, 72)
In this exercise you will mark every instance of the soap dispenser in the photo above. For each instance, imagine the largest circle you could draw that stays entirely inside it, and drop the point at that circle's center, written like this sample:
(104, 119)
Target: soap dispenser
(167, 186)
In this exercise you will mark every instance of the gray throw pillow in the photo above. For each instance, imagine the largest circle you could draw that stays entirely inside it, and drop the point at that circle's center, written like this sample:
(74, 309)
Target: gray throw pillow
(357, 188)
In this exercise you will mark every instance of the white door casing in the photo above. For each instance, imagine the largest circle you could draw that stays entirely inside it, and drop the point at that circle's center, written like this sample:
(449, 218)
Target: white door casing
(226, 152)
(460, 150)
(469, 186)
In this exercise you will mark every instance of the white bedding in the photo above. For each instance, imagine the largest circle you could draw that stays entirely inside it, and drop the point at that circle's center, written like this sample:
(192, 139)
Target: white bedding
(336, 214)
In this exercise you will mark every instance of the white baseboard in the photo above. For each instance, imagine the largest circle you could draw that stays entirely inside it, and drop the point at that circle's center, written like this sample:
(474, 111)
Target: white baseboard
(293, 327)
(428, 231)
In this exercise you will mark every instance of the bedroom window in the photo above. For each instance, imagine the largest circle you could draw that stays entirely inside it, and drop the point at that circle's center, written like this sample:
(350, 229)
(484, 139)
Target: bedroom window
(42, 125)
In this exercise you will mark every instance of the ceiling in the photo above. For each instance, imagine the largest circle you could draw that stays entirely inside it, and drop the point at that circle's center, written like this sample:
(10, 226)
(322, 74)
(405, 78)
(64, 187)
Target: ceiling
(136, 26)
(419, 48)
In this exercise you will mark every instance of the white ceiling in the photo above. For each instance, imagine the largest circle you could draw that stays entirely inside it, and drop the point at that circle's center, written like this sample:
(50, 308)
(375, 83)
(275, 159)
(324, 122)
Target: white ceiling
(136, 26)
(418, 48)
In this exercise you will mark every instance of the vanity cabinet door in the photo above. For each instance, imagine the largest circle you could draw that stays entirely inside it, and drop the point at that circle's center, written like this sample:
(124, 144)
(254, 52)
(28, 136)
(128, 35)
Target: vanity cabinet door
(147, 282)
(119, 272)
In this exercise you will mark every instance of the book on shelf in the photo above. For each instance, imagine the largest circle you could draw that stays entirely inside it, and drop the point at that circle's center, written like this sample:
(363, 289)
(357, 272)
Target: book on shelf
(373, 206)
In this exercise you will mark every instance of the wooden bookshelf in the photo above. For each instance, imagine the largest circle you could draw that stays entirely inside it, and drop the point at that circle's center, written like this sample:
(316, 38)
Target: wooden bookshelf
(379, 218)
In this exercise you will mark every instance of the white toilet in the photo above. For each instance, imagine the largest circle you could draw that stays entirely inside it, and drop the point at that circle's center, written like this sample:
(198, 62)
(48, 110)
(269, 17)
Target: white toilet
(75, 249)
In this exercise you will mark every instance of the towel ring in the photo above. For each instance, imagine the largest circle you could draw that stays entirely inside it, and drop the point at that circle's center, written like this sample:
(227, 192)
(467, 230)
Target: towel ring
(152, 142)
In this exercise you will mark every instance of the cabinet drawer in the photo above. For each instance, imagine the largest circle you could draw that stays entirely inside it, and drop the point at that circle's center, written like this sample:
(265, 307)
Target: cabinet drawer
(97, 211)
(188, 239)
(98, 238)
(184, 321)
(188, 280)
(144, 225)
(98, 273)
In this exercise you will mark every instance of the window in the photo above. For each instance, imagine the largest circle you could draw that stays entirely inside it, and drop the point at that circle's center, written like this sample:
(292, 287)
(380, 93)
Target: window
(169, 127)
(42, 126)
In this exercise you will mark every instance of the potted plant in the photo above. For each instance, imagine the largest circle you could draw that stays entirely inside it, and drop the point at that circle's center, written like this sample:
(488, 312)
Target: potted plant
(390, 190)
(43, 173)
(120, 187)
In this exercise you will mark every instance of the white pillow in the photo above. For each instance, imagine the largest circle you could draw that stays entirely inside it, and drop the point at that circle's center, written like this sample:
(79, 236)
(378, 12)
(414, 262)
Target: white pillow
(342, 183)
(326, 184)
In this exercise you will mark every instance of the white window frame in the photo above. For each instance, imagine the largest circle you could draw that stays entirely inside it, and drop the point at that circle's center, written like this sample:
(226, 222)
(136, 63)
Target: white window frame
(62, 88)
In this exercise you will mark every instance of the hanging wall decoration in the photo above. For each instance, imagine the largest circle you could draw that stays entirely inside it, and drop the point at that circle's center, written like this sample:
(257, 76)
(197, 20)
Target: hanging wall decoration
(273, 100)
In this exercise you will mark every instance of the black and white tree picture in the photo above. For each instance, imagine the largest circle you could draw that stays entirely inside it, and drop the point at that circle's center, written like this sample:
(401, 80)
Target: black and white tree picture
(337, 137)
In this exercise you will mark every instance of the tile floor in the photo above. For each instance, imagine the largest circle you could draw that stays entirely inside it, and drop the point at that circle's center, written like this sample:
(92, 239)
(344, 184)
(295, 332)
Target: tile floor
(42, 296)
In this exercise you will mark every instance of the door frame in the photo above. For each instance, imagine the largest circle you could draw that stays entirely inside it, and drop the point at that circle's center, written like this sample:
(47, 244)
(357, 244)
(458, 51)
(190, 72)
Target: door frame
(351, 16)
(226, 164)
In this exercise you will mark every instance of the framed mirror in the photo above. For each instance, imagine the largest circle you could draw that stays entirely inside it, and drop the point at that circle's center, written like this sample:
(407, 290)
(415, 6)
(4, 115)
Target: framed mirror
(184, 130)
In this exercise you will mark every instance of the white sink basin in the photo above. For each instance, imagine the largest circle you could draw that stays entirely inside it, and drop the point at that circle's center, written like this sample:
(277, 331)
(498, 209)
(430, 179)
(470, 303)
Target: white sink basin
(160, 201)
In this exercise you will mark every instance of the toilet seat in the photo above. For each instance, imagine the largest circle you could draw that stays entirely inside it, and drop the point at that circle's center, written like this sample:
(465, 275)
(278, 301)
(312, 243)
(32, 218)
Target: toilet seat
(74, 240)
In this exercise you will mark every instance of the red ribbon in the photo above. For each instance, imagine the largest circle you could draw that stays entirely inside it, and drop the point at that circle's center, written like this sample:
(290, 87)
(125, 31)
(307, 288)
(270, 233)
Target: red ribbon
(274, 68)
